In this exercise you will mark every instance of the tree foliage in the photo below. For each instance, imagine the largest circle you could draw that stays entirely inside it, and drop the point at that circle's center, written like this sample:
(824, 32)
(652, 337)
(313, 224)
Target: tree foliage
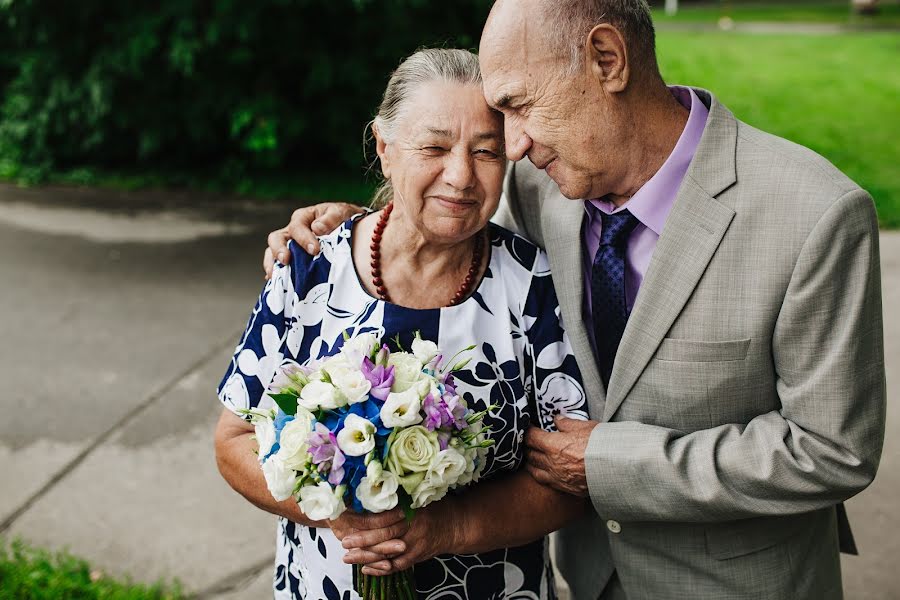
(221, 84)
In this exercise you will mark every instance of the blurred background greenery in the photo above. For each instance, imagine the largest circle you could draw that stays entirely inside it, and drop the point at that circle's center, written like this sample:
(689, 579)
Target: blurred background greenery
(270, 98)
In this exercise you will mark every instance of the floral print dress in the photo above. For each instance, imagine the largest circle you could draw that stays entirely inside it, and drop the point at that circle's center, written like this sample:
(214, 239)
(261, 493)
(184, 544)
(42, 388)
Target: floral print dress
(522, 363)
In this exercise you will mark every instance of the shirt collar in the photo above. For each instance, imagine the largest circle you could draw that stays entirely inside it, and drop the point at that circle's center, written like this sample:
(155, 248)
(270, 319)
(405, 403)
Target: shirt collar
(654, 200)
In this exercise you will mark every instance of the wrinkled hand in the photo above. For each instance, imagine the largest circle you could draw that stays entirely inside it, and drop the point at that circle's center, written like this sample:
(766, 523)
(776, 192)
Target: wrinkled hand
(389, 525)
(428, 535)
(557, 459)
(306, 224)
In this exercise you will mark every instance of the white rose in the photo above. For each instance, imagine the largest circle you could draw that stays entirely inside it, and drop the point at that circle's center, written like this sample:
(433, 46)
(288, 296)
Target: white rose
(293, 439)
(401, 409)
(352, 384)
(280, 479)
(319, 394)
(448, 468)
(357, 437)
(411, 454)
(424, 350)
(265, 435)
(377, 491)
(427, 492)
(407, 371)
(320, 502)
(359, 347)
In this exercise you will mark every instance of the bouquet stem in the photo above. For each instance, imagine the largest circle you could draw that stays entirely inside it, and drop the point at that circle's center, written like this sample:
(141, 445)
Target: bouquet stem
(396, 586)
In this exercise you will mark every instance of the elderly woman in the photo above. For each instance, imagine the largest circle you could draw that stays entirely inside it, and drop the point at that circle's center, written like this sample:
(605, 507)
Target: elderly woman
(427, 261)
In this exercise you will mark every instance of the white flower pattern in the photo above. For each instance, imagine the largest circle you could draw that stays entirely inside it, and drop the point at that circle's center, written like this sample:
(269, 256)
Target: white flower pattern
(523, 363)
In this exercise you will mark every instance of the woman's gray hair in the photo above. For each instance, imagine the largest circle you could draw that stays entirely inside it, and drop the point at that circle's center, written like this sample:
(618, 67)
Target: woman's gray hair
(424, 66)
(569, 22)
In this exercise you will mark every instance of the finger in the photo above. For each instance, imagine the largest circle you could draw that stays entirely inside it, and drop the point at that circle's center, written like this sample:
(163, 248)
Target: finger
(565, 424)
(366, 539)
(540, 475)
(268, 262)
(539, 460)
(278, 241)
(379, 569)
(361, 556)
(299, 229)
(328, 218)
(374, 521)
(541, 440)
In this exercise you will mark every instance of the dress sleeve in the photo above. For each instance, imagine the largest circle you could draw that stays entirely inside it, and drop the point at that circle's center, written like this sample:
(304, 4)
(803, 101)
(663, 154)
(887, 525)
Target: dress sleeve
(556, 387)
(262, 349)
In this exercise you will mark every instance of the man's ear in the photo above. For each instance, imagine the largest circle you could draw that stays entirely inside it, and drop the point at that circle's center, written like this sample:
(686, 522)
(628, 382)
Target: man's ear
(608, 57)
(381, 150)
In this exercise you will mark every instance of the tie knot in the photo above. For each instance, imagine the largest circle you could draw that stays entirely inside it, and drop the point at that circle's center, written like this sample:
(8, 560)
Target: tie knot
(616, 227)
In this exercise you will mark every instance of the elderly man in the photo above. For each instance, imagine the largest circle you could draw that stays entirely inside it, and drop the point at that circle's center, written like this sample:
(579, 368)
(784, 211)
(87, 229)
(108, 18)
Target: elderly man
(721, 288)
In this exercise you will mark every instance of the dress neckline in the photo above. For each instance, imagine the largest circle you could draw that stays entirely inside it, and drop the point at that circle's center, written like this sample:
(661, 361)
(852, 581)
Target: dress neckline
(350, 224)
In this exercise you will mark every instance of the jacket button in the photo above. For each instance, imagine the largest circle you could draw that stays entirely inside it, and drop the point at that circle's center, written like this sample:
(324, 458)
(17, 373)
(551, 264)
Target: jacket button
(613, 526)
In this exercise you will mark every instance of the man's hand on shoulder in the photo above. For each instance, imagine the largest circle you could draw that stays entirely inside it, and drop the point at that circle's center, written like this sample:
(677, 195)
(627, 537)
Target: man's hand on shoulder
(306, 224)
(557, 459)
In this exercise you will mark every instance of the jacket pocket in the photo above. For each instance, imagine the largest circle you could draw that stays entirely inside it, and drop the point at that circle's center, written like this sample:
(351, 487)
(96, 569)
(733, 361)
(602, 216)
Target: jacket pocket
(677, 350)
(739, 538)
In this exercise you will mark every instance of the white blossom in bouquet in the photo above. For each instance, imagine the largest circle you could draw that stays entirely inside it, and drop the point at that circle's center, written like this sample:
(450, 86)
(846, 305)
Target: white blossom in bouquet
(352, 384)
(264, 429)
(443, 474)
(357, 437)
(320, 394)
(377, 491)
(411, 454)
(293, 439)
(357, 348)
(320, 502)
(401, 409)
(407, 371)
(280, 479)
(424, 350)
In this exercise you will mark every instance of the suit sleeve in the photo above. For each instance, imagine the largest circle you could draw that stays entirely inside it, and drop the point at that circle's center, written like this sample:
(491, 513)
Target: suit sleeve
(823, 445)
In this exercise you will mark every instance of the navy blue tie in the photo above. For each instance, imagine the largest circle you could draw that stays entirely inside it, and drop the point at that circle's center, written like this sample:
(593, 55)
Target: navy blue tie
(608, 307)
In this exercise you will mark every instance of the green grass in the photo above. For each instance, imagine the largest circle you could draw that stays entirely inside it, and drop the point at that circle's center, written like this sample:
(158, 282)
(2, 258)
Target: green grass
(836, 94)
(30, 574)
(836, 12)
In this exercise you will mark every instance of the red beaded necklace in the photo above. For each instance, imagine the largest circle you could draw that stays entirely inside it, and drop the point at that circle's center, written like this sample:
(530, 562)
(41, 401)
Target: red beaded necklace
(465, 287)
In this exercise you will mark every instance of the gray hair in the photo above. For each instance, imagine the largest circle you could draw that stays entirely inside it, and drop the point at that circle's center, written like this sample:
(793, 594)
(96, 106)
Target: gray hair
(569, 21)
(424, 66)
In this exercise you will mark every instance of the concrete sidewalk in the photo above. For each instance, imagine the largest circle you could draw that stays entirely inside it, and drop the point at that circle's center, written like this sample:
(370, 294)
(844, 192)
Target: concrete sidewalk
(119, 314)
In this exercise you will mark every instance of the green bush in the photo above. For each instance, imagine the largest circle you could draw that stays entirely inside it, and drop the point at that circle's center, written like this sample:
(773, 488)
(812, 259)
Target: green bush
(224, 85)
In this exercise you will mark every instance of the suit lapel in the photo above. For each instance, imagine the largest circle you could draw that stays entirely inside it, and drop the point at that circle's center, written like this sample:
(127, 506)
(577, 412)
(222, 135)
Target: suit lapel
(562, 220)
(689, 240)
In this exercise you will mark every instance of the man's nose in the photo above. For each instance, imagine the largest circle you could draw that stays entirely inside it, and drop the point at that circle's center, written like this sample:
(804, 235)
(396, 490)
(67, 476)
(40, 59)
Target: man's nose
(517, 141)
(459, 171)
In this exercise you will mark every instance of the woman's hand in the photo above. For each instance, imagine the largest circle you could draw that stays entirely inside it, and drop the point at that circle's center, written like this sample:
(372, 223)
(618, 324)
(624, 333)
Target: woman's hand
(391, 525)
(430, 533)
(306, 224)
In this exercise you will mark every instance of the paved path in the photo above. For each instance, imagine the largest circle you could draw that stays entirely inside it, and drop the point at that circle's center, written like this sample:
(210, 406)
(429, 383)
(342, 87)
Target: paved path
(118, 315)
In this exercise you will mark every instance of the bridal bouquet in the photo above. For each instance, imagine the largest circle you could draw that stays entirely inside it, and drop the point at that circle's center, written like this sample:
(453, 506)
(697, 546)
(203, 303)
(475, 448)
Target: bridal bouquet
(370, 429)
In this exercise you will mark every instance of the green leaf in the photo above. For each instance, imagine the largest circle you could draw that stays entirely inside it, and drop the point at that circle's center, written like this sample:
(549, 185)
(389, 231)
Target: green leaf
(286, 402)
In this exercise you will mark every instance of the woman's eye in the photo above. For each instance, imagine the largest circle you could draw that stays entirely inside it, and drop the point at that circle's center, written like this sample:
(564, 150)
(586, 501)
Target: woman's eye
(434, 149)
(485, 153)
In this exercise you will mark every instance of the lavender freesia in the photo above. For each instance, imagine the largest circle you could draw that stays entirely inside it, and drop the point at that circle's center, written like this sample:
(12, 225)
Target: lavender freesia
(381, 378)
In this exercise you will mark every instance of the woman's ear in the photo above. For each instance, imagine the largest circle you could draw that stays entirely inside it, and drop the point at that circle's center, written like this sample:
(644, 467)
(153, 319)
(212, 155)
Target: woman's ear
(381, 150)
(608, 57)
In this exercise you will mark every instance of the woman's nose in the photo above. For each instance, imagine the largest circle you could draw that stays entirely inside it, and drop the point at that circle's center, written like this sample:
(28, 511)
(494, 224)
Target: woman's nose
(459, 171)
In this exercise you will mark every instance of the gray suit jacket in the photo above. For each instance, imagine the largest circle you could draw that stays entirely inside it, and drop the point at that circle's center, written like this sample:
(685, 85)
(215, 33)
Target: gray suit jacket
(747, 398)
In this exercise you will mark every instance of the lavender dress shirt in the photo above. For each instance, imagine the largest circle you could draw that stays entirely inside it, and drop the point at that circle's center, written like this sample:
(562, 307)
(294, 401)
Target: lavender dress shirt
(651, 205)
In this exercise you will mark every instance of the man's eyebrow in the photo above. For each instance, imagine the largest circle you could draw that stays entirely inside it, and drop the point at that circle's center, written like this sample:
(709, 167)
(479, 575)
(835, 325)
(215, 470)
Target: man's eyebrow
(502, 101)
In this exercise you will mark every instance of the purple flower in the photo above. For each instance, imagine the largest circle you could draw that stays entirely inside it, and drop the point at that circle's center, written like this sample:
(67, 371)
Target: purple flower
(380, 377)
(450, 384)
(444, 439)
(326, 454)
(434, 416)
(456, 411)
